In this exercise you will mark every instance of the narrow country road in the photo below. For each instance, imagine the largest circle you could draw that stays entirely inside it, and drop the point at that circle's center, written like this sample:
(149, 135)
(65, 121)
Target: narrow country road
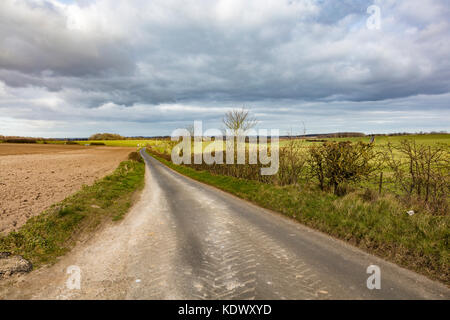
(186, 240)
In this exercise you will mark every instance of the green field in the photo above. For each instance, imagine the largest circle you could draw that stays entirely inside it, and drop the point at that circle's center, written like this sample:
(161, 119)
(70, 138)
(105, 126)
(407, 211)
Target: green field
(428, 139)
(124, 143)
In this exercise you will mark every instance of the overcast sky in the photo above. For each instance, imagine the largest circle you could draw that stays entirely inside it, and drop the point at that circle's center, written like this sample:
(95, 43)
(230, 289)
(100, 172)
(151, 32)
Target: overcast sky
(73, 68)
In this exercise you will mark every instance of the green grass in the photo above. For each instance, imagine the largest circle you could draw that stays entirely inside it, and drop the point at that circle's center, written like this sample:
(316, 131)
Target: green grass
(116, 143)
(427, 139)
(380, 226)
(52, 233)
(125, 143)
(163, 146)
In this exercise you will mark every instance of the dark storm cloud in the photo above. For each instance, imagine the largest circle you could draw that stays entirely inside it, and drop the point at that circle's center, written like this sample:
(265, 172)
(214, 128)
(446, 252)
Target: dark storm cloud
(132, 60)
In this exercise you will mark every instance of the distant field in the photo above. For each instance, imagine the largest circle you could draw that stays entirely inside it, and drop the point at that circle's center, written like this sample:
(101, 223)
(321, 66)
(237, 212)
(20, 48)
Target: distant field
(22, 148)
(164, 146)
(428, 139)
(124, 143)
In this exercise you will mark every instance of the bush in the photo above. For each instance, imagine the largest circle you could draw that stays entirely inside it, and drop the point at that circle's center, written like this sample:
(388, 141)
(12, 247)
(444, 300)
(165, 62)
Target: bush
(97, 144)
(335, 164)
(134, 156)
(106, 136)
(71, 142)
(422, 171)
(20, 140)
(292, 163)
(370, 195)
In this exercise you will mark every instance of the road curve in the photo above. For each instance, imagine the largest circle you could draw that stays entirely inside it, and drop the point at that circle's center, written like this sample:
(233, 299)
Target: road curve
(187, 240)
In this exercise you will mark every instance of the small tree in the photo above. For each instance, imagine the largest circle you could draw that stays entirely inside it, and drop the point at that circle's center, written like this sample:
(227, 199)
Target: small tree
(239, 121)
(106, 136)
(190, 129)
(336, 163)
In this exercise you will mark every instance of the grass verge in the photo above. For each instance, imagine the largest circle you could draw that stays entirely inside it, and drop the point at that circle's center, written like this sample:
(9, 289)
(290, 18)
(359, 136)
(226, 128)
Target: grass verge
(51, 234)
(380, 226)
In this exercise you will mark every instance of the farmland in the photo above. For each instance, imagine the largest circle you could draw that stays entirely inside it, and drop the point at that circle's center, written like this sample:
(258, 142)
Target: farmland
(428, 139)
(8, 149)
(362, 213)
(124, 143)
(35, 176)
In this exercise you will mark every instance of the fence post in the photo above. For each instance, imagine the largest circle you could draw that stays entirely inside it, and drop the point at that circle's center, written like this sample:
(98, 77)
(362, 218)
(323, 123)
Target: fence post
(380, 186)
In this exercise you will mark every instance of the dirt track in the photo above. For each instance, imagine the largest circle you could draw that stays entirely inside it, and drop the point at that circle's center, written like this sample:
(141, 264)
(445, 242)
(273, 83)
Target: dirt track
(33, 177)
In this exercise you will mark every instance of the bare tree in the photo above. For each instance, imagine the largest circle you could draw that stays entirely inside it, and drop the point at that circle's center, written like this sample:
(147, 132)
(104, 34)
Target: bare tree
(239, 121)
(190, 129)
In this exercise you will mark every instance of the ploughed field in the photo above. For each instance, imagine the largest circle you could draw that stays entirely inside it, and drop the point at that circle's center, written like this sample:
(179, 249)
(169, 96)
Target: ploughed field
(35, 176)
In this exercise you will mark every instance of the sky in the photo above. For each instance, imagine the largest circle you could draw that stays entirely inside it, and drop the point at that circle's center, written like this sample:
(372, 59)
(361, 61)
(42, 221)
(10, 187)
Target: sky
(71, 68)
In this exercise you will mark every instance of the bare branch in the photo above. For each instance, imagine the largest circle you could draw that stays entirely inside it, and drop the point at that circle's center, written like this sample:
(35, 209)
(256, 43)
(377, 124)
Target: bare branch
(239, 121)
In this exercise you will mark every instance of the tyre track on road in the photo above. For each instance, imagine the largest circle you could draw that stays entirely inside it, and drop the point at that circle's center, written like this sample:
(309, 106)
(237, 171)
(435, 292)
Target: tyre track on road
(238, 260)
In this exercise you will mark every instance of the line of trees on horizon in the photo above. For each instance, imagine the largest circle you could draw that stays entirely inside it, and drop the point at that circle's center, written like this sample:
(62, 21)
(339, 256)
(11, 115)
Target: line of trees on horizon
(115, 136)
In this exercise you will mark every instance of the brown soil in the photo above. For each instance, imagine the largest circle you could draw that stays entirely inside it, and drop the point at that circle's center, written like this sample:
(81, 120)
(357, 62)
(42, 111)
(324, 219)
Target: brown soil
(33, 177)
(7, 149)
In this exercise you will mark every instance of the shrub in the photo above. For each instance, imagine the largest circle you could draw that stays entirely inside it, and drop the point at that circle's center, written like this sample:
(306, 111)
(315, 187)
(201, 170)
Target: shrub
(292, 162)
(422, 171)
(134, 156)
(97, 144)
(335, 164)
(71, 142)
(20, 140)
(106, 136)
(370, 195)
